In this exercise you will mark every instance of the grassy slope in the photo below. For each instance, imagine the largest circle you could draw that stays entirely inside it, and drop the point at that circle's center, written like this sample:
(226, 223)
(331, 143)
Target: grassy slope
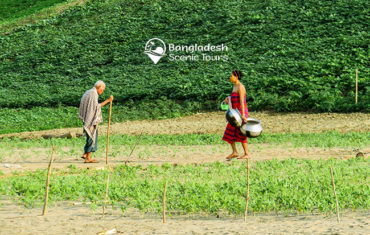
(18, 13)
(14, 9)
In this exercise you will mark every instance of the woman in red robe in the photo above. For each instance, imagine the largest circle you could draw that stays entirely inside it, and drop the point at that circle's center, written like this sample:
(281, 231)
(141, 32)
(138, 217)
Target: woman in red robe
(238, 101)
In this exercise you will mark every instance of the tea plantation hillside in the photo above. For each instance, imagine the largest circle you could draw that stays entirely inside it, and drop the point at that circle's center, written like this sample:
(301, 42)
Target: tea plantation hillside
(296, 55)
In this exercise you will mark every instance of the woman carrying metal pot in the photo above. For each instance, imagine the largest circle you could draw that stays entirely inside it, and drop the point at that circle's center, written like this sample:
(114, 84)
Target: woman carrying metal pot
(238, 101)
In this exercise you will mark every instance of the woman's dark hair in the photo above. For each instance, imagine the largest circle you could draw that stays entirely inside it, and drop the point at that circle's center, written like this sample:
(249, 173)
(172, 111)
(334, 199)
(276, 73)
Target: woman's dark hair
(238, 74)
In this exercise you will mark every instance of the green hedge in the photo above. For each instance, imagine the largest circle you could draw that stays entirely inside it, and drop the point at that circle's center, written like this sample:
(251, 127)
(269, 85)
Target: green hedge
(296, 55)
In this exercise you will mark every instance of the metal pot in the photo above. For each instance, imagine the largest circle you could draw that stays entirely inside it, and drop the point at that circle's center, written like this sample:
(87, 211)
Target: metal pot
(234, 118)
(252, 128)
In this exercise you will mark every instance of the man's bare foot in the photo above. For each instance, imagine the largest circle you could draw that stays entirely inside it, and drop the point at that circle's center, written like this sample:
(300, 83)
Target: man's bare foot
(245, 156)
(84, 156)
(231, 156)
(91, 161)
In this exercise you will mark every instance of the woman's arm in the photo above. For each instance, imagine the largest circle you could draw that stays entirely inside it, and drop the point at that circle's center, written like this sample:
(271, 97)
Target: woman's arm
(241, 96)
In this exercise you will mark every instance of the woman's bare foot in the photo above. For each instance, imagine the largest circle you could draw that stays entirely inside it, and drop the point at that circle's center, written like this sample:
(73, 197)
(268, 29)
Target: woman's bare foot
(231, 156)
(245, 156)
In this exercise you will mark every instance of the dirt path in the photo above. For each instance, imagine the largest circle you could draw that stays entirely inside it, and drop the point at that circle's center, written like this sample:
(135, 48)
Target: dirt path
(29, 159)
(78, 219)
(215, 123)
(35, 158)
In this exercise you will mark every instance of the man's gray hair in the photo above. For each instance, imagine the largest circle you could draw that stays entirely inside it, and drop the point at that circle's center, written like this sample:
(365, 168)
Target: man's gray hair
(99, 83)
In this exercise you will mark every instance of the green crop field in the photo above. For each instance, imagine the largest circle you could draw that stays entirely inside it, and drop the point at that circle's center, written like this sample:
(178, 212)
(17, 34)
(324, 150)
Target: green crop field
(276, 186)
(298, 55)
(322, 140)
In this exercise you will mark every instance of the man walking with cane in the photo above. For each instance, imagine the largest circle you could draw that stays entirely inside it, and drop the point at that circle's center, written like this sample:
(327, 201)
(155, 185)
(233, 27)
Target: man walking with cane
(90, 114)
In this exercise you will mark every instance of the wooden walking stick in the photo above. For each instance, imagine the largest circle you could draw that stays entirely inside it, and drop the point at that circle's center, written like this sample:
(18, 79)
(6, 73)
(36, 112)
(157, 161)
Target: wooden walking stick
(335, 194)
(247, 198)
(110, 113)
(164, 202)
(106, 195)
(47, 182)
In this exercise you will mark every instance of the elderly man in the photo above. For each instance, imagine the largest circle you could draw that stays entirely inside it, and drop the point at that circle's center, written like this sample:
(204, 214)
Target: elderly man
(90, 114)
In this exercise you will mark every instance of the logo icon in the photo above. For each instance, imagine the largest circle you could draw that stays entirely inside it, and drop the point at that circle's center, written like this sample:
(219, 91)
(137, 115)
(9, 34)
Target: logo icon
(155, 48)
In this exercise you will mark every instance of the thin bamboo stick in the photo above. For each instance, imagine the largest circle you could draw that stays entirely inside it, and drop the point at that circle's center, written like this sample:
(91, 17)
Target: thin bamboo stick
(247, 197)
(335, 194)
(47, 183)
(137, 141)
(164, 202)
(106, 195)
(110, 113)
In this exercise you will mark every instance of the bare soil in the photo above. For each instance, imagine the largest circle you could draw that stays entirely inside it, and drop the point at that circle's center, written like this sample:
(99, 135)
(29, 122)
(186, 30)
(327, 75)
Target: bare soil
(38, 158)
(79, 219)
(215, 122)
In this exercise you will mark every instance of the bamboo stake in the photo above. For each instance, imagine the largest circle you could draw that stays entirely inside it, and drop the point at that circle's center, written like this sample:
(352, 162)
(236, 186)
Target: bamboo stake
(106, 195)
(356, 84)
(335, 194)
(47, 183)
(247, 198)
(110, 113)
(164, 202)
